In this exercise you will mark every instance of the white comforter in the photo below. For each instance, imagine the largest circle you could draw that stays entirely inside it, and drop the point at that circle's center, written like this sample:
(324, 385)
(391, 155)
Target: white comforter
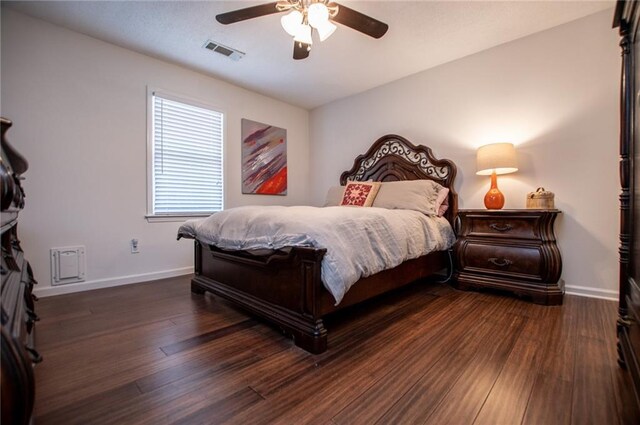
(359, 241)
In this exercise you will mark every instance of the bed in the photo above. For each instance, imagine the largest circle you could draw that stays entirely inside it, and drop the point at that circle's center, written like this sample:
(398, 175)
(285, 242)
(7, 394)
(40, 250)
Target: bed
(284, 286)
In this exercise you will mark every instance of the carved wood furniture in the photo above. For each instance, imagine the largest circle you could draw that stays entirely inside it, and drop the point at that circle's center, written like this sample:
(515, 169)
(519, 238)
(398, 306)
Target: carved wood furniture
(627, 19)
(18, 315)
(285, 287)
(513, 250)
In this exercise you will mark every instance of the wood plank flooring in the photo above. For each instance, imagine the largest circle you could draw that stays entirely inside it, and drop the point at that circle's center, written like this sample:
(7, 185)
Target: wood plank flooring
(154, 353)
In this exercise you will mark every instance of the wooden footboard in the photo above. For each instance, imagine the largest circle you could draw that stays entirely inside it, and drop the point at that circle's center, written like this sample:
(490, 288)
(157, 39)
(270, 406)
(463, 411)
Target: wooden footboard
(286, 289)
(282, 287)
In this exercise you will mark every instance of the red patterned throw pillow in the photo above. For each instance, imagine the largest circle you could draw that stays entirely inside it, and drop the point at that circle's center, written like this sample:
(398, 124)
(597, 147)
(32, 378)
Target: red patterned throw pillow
(360, 194)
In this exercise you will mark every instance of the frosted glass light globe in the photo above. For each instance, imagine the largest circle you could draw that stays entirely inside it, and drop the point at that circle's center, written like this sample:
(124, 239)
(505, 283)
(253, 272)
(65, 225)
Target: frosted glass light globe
(325, 30)
(303, 35)
(291, 22)
(318, 14)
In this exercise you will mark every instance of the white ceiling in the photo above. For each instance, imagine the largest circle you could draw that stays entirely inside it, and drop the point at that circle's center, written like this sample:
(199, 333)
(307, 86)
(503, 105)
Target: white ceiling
(422, 34)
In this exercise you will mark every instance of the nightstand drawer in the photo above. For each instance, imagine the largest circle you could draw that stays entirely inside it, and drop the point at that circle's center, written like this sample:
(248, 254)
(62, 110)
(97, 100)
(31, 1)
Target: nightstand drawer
(524, 261)
(503, 227)
(509, 260)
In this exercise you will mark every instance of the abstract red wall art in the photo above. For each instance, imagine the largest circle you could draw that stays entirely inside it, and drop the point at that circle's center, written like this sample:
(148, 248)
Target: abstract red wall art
(264, 159)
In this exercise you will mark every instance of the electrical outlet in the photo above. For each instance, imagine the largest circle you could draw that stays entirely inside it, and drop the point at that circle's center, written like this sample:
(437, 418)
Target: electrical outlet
(135, 248)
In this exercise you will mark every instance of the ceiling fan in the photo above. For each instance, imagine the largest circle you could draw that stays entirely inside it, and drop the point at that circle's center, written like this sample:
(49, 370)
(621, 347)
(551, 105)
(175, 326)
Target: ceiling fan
(307, 15)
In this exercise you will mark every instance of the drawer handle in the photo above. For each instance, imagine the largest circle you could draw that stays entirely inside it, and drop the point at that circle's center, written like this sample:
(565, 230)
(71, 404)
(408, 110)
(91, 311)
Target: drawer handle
(500, 262)
(499, 228)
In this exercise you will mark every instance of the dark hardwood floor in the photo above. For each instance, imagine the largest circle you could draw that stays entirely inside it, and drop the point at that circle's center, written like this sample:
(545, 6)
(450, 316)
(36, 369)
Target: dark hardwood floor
(153, 353)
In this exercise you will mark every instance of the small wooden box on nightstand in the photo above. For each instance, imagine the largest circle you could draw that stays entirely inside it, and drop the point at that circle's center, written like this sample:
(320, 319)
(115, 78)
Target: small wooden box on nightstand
(512, 250)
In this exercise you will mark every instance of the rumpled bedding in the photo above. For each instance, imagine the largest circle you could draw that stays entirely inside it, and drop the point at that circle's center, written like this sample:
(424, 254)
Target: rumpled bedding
(359, 241)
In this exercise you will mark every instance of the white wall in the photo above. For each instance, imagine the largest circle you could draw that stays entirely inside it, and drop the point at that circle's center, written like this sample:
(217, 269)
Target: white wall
(554, 94)
(79, 111)
(79, 108)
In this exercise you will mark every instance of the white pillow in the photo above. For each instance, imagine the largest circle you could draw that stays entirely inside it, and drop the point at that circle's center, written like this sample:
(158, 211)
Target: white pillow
(334, 196)
(418, 195)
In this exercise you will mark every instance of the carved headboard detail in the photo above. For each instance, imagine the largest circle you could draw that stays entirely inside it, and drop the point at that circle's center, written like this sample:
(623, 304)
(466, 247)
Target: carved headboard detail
(393, 158)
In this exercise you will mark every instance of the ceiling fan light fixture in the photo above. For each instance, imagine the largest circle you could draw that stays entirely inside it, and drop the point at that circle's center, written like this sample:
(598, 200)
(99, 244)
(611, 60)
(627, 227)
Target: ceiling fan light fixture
(318, 14)
(303, 35)
(304, 16)
(291, 22)
(325, 30)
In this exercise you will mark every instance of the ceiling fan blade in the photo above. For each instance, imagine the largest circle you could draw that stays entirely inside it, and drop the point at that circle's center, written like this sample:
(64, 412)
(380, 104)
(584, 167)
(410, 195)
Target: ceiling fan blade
(359, 22)
(247, 13)
(300, 50)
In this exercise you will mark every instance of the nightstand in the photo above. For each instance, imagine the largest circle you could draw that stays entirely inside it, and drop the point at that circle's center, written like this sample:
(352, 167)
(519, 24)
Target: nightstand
(512, 250)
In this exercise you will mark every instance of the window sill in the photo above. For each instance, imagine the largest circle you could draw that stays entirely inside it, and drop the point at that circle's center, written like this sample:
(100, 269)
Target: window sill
(173, 218)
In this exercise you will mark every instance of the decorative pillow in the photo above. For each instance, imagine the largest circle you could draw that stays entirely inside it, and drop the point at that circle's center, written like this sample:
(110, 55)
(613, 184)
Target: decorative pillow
(360, 194)
(418, 195)
(334, 196)
(442, 201)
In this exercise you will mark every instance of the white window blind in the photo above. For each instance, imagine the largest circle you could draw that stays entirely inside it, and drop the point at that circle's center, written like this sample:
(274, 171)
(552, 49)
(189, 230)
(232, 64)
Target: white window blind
(187, 158)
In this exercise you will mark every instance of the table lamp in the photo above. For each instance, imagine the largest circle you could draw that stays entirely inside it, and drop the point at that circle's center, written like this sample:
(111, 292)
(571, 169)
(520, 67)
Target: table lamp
(494, 159)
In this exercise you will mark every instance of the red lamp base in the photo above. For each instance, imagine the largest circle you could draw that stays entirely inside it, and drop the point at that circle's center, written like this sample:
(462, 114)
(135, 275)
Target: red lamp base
(494, 199)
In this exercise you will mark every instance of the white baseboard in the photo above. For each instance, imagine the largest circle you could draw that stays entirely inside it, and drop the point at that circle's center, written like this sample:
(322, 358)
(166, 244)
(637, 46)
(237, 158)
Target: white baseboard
(584, 291)
(107, 283)
(581, 291)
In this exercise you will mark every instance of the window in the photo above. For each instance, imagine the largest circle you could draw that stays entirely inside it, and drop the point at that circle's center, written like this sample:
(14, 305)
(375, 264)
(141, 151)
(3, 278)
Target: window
(185, 158)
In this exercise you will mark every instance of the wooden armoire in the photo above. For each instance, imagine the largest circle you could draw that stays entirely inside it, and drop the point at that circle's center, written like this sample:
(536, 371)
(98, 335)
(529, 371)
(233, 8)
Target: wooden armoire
(627, 20)
(17, 315)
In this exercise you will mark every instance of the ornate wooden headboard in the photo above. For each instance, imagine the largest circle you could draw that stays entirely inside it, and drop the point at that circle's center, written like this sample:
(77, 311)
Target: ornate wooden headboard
(393, 158)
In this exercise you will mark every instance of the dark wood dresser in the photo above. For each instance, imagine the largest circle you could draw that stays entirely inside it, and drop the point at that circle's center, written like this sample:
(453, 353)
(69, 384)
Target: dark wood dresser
(512, 250)
(627, 19)
(18, 314)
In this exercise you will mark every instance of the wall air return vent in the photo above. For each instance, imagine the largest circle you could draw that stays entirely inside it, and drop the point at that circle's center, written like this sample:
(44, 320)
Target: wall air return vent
(68, 265)
(233, 54)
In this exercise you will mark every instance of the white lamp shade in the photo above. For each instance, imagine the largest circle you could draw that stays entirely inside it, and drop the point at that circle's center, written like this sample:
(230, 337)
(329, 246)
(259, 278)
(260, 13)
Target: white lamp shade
(325, 30)
(303, 35)
(291, 22)
(318, 14)
(498, 157)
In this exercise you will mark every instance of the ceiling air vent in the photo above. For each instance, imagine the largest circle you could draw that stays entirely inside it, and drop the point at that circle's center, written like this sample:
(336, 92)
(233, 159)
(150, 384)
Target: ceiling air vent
(229, 52)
